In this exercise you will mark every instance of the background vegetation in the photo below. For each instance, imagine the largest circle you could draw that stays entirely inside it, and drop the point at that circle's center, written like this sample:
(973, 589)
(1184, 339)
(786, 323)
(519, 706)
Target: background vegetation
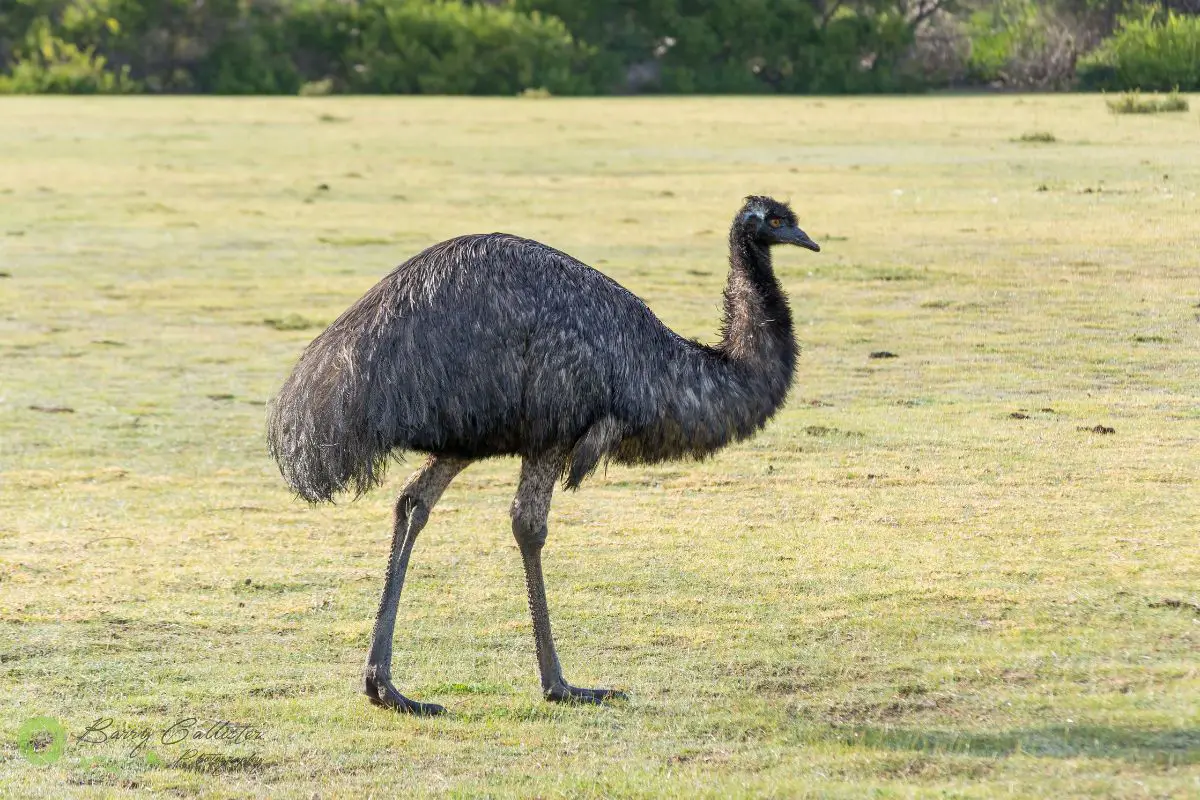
(594, 46)
(968, 571)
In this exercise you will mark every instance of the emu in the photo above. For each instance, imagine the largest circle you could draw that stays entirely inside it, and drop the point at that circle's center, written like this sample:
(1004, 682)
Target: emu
(493, 345)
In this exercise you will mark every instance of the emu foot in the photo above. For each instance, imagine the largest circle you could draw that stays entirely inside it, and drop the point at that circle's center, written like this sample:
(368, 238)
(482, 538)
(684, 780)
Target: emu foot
(566, 693)
(381, 693)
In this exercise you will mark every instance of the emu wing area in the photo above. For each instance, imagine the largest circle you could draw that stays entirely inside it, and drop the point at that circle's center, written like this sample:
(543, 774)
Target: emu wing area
(493, 344)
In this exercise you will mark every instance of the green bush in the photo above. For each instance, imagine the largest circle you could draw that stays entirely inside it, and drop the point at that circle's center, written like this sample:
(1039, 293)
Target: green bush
(167, 45)
(17, 24)
(413, 47)
(282, 46)
(760, 46)
(214, 46)
(1151, 52)
(571, 46)
(256, 57)
(1024, 44)
(48, 65)
(320, 35)
(993, 33)
(738, 45)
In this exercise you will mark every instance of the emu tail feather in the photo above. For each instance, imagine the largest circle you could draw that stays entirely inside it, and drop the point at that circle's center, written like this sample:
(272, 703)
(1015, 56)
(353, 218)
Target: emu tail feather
(323, 427)
(598, 443)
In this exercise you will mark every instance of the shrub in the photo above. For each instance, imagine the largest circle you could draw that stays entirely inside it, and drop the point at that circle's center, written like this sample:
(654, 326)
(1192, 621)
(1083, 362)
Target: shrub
(284, 46)
(1022, 44)
(740, 46)
(255, 57)
(320, 35)
(410, 47)
(48, 65)
(165, 43)
(1151, 52)
(941, 47)
(1134, 103)
(1173, 102)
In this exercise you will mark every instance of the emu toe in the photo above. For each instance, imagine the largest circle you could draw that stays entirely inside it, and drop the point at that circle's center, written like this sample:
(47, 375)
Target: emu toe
(565, 693)
(385, 695)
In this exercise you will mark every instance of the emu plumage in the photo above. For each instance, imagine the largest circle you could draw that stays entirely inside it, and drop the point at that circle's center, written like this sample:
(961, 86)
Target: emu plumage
(491, 345)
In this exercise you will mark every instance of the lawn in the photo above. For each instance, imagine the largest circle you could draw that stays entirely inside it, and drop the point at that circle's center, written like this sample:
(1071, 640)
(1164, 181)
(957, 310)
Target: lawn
(969, 570)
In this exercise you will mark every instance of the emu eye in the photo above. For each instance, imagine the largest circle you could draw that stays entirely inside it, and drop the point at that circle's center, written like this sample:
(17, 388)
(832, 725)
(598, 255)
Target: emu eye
(774, 222)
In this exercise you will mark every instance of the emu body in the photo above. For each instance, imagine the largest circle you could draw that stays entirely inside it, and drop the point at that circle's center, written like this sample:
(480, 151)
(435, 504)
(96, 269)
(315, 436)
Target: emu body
(490, 345)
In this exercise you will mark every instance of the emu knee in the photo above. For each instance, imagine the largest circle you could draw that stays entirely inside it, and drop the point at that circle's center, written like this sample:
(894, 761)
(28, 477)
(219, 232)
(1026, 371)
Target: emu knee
(412, 511)
(529, 526)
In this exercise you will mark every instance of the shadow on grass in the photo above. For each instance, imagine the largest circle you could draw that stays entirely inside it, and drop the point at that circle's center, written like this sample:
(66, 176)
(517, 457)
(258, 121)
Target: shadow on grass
(1170, 747)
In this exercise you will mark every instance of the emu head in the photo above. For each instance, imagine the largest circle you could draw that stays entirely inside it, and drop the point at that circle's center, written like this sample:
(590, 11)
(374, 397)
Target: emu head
(766, 221)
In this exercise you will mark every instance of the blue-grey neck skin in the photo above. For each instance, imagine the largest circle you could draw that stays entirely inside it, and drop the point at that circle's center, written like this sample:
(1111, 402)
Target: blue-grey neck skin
(490, 345)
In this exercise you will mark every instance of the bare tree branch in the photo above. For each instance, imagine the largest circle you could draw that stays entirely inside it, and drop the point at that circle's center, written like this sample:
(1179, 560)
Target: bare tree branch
(924, 10)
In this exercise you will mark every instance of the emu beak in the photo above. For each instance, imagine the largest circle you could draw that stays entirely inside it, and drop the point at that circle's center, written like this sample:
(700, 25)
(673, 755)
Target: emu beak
(800, 238)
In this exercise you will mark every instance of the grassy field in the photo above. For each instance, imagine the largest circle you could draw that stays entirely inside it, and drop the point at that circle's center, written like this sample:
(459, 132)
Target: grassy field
(932, 575)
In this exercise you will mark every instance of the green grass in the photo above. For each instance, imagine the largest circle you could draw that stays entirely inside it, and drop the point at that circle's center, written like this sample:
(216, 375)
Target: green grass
(935, 574)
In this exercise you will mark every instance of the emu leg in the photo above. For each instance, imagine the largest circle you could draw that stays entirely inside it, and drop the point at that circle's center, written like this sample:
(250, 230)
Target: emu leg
(530, 510)
(412, 512)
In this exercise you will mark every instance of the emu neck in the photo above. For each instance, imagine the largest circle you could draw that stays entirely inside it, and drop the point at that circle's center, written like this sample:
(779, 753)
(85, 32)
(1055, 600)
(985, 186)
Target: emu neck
(757, 330)
(708, 397)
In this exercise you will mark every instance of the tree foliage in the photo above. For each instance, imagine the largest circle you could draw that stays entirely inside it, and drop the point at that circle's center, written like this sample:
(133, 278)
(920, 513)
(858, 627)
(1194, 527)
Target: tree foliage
(1158, 52)
(827, 46)
(274, 46)
(569, 46)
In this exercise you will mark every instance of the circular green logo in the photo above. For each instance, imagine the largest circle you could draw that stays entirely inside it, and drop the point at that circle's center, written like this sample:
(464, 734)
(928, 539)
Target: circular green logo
(42, 740)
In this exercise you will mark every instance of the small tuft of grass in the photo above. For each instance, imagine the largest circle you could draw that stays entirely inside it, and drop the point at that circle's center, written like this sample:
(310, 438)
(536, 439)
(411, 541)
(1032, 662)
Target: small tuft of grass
(53, 409)
(1134, 103)
(353, 241)
(823, 431)
(1037, 137)
(1174, 602)
(291, 322)
(535, 93)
